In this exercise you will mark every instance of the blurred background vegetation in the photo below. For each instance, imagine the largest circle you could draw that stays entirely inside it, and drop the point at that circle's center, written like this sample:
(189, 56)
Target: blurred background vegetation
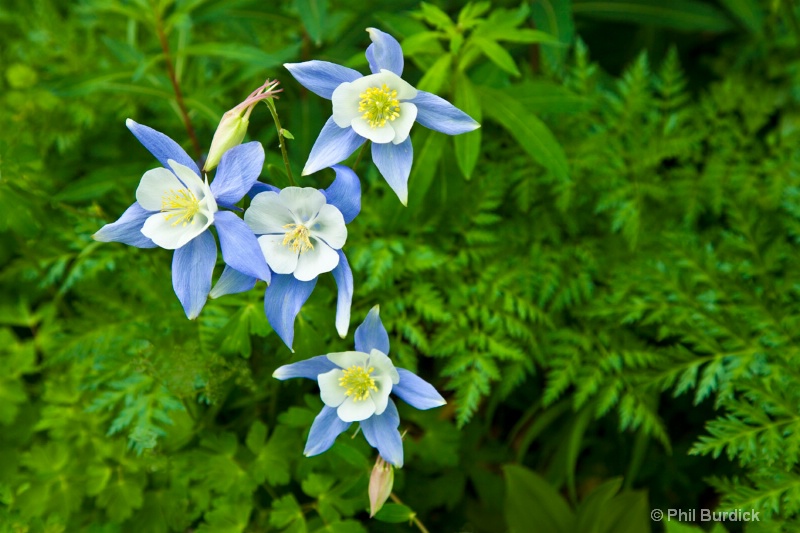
(603, 280)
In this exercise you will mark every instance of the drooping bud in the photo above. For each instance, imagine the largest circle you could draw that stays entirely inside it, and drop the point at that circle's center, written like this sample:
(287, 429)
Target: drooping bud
(233, 126)
(381, 482)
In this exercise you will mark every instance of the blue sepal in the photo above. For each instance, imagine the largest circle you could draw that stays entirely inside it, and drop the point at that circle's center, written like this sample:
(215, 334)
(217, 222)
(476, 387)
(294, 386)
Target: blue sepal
(371, 333)
(192, 268)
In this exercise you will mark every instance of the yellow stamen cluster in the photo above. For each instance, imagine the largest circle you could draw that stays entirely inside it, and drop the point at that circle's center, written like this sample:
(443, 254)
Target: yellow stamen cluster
(379, 104)
(296, 238)
(357, 382)
(181, 205)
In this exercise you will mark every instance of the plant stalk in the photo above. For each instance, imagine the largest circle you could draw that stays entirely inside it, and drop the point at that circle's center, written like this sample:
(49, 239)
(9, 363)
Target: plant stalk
(281, 140)
(187, 122)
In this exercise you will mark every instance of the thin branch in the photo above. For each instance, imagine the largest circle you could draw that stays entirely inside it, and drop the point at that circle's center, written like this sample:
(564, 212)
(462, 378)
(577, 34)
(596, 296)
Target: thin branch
(162, 37)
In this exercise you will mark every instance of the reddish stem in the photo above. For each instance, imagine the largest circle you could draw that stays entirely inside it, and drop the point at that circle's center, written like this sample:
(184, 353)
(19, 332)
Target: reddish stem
(162, 37)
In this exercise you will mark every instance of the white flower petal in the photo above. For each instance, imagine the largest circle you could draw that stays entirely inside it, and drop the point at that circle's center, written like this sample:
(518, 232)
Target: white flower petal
(381, 396)
(405, 91)
(280, 258)
(332, 394)
(189, 178)
(348, 359)
(383, 365)
(330, 227)
(303, 202)
(380, 135)
(353, 411)
(156, 184)
(267, 214)
(345, 99)
(208, 203)
(402, 124)
(171, 236)
(318, 260)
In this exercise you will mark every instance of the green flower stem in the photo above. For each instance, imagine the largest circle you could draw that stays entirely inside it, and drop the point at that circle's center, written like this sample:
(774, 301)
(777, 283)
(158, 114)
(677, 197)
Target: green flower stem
(360, 154)
(414, 519)
(274, 112)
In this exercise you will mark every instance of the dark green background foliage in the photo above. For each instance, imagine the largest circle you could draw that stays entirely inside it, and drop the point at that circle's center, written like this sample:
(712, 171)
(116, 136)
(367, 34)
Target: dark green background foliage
(603, 280)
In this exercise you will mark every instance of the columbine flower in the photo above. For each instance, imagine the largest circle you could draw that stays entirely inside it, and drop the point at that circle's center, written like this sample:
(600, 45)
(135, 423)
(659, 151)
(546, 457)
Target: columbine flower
(355, 387)
(380, 107)
(174, 209)
(301, 233)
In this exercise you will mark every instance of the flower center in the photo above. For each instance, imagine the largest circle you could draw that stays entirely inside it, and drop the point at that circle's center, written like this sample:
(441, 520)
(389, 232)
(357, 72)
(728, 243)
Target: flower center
(357, 382)
(379, 104)
(182, 205)
(297, 238)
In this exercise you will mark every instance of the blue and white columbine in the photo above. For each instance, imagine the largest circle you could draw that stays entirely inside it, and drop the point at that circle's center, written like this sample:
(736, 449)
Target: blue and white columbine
(380, 107)
(301, 231)
(175, 207)
(355, 387)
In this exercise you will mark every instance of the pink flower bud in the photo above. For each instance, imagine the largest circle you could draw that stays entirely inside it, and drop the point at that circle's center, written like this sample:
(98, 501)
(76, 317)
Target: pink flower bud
(230, 133)
(233, 126)
(380, 485)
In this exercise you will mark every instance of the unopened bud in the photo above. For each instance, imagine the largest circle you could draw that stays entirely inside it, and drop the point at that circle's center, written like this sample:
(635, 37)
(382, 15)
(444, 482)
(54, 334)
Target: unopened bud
(233, 126)
(381, 482)
(230, 132)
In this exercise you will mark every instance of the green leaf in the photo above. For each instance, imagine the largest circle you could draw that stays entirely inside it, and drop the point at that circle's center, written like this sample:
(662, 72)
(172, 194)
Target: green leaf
(748, 12)
(428, 147)
(316, 485)
(628, 512)
(344, 526)
(555, 18)
(467, 145)
(531, 500)
(469, 15)
(394, 513)
(271, 464)
(592, 508)
(684, 15)
(286, 513)
(228, 517)
(97, 477)
(121, 497)
(244, 53)
(314, 14)
(426, 42)
(530, 132)
(542, 96)
(234, 337)
(498, 55)
(437, 75)
(256, 437)
(435, 16)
